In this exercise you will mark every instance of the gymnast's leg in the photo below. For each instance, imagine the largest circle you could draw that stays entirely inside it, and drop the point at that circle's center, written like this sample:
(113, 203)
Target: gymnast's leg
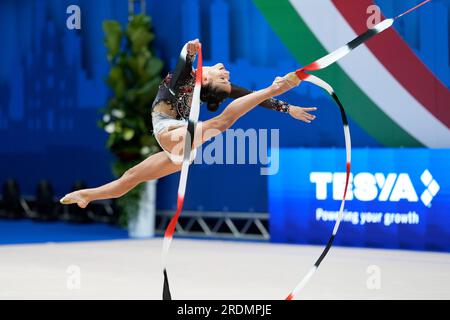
(155, 166)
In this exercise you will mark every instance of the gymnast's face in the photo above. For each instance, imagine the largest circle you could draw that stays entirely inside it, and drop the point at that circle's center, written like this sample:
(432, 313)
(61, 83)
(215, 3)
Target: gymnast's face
(218, 77)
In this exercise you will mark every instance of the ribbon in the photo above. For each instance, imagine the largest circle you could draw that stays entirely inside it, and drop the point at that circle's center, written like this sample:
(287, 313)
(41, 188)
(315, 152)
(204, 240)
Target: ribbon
(188, 143)
(302, 75)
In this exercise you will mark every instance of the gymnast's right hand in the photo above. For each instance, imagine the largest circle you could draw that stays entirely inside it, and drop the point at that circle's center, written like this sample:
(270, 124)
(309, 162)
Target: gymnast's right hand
(282, 84)
(193, 46)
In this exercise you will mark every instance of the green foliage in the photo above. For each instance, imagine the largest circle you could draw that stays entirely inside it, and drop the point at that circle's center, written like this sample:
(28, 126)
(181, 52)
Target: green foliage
(133, 78)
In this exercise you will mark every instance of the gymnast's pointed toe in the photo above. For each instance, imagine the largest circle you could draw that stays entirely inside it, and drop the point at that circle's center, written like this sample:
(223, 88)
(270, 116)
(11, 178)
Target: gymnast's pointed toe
(75, 198)
(67, 200)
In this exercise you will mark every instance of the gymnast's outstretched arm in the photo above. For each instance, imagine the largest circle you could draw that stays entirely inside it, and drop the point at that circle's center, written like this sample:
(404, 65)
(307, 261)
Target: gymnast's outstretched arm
(296, 112)
(173, 140)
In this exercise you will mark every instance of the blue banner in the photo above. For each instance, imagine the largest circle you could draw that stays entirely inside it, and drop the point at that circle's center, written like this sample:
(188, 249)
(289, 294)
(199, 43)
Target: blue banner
(397, 198)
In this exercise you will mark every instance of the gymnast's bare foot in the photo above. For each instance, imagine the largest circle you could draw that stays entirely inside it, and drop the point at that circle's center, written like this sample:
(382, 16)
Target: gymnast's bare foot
(77, 197)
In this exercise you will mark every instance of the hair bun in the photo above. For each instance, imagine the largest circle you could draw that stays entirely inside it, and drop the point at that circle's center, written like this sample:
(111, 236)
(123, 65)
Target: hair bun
(212, 96)
(212, 106)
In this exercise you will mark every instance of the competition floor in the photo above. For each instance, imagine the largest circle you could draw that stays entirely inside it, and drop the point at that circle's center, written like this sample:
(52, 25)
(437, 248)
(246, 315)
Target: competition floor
(199, 269)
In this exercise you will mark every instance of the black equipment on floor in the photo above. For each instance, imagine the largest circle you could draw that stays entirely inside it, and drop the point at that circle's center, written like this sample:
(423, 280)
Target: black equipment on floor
(45, 208)
(11, 206)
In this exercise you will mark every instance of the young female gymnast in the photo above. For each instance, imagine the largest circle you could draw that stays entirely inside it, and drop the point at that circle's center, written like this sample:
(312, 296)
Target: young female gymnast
(170, 112)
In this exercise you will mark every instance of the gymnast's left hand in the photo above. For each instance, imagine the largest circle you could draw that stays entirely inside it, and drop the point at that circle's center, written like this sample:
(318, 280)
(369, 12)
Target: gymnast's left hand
(302, 114)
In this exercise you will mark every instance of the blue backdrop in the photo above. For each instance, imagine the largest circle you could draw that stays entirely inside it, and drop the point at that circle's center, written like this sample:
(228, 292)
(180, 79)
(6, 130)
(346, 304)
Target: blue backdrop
(51, 88)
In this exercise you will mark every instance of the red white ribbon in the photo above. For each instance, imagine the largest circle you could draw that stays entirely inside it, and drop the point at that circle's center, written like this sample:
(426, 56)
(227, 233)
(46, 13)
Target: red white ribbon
(189, 139)
(302, 75)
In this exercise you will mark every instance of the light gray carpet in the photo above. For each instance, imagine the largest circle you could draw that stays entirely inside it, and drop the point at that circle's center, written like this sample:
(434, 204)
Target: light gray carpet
(199, 269)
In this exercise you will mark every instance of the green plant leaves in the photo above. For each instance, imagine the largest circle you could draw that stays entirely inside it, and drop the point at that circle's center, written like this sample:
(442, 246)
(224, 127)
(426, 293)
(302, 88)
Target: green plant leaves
(139, 34)
(134, 78)
(154, 67)
(128, 134)
(113, 38)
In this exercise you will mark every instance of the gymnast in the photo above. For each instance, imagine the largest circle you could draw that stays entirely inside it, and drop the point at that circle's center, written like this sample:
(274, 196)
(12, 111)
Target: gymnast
(170, 111)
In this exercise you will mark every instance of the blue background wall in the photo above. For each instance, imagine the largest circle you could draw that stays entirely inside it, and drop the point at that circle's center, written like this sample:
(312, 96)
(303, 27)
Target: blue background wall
(51, 88)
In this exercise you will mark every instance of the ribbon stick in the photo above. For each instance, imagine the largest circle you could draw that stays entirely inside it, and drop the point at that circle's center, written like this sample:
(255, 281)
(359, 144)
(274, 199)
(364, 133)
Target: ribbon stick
(344, 50)
(302, 75)
(412, 9)
(188, 143)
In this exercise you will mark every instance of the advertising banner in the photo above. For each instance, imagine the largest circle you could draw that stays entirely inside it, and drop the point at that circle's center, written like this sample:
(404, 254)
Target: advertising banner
(397, 198)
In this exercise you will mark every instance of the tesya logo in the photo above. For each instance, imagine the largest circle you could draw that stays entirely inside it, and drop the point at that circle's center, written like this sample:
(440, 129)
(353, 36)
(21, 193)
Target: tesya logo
(366, 186)
(431, 190)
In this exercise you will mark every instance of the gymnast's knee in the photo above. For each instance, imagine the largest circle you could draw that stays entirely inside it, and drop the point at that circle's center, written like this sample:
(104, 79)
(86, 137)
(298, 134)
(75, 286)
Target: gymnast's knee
(130, 177)
(223, 122)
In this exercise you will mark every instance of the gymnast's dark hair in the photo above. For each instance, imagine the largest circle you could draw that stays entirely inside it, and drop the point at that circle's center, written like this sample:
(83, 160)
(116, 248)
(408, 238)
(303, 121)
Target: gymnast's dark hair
(212, 96)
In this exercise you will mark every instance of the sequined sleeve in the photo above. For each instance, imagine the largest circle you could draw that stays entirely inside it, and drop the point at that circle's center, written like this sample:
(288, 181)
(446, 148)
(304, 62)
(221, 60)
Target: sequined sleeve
(274, 104)
(177, 91)
(185, 73)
